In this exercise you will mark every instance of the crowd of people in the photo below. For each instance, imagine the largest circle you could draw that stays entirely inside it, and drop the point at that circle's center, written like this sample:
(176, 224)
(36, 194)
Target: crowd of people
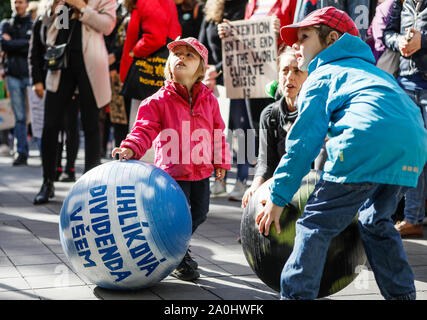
(72, 62)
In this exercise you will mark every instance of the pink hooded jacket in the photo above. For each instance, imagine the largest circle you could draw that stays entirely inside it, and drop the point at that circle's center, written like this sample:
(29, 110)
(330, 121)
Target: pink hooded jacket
(188, 133)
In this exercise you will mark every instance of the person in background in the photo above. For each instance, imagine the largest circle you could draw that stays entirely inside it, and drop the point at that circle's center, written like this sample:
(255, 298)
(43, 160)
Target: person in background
(151, 24)
(183, 98)
(14, 40)
(216, 11)
(87, 70)
(284, 11)
(190, 15)
(376, 29)
(119, 107)
(276, 120)
(358, 10)
(406, 33)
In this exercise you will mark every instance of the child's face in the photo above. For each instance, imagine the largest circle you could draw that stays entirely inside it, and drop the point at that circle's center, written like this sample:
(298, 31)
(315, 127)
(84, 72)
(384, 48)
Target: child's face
(291, 77)
(184, 63)
(307, 47)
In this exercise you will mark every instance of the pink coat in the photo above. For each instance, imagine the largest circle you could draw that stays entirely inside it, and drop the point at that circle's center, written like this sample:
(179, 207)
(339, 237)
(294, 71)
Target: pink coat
(189, 138)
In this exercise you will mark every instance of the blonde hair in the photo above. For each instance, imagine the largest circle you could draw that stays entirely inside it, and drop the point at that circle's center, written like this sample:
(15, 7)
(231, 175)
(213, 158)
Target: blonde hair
(200, 73)
(214, 10)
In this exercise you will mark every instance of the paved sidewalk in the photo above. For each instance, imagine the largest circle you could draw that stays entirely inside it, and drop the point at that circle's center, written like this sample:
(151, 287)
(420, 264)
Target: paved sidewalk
(33, 265)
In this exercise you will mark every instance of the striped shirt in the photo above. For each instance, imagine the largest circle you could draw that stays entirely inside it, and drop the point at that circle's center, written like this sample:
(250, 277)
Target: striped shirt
(262, 8)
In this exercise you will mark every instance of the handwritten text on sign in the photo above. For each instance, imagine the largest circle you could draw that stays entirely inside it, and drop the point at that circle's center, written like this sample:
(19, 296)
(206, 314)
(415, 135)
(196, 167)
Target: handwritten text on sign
(249, 51)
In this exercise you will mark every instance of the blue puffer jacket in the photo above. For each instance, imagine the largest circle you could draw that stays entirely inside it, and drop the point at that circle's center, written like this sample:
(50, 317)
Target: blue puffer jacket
(376, 133)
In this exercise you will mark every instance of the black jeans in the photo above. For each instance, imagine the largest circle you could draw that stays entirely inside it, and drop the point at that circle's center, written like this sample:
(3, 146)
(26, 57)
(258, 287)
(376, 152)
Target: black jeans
(75, 76)
(197, 193)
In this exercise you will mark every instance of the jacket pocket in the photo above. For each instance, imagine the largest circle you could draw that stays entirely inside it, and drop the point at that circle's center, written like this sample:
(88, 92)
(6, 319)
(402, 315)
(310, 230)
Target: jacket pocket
(178, 170)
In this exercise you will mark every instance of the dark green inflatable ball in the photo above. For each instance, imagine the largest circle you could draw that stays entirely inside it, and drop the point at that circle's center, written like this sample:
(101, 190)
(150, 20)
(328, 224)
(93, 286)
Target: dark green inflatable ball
(268, 254)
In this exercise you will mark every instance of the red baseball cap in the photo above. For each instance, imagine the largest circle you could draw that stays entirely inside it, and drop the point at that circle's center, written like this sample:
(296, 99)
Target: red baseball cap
(192, 42)
(331, 16)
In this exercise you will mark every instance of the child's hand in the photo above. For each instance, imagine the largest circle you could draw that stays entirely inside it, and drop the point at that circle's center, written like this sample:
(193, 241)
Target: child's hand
(219, 173)
(248, 194)
(124, 153)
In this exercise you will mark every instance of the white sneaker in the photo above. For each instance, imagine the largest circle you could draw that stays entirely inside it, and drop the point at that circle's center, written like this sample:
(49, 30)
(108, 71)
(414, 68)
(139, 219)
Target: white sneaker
(4, 150)
(238, 192)
(218, 188)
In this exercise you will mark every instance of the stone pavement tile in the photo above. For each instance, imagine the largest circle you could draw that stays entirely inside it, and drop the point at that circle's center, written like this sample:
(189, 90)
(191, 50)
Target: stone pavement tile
(143, 294)
(44, 269)
(173, 289)
(415, 246)
(55, 248)
(237, 269)
(232, 288)
(35, 259)
(26, 250)
(422, 295)
(354, 297)
(5, 262)
(418, 260)
(256, 282)
(13, 284)
(420, 273)
(54, 281)
(420, 285)
(225, 241)
(66, 293)
(212, 270)
(19, 295)
(359, 287)
(9, 272)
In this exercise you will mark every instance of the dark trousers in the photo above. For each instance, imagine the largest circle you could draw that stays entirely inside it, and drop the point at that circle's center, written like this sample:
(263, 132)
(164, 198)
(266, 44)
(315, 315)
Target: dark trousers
(197, 193)
(121, 130)
(71, 130)
(55, 106)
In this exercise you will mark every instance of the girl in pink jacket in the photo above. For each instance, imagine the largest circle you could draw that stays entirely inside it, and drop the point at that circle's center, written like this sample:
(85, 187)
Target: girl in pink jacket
(184, 122)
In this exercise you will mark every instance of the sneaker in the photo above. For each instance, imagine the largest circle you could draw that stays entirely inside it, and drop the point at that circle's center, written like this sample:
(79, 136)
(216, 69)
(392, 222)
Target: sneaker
(70, 176)
(407, 229)
(21, 160)
(4, 150)
(185, 272)
(218, 188)
(190, 261)
(238, 192)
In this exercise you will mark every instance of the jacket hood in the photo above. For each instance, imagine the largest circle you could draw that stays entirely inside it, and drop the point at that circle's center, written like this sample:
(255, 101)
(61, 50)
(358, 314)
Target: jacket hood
(346, 47)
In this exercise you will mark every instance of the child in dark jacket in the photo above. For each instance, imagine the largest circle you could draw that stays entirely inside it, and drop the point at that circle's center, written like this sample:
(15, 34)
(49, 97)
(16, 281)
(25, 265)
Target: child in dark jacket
(184, 121)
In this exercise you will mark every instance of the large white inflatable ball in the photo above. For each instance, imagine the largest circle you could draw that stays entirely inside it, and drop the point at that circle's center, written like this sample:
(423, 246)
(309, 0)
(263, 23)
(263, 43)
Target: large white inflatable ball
(125, 225)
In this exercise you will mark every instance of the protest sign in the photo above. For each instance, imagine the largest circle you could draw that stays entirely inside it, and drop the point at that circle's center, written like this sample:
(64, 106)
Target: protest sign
(249, 52)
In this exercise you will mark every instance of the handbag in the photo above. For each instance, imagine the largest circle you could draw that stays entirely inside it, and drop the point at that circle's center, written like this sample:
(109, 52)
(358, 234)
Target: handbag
(389, 61)
(7, 117)
(56, 56)
(146, 75)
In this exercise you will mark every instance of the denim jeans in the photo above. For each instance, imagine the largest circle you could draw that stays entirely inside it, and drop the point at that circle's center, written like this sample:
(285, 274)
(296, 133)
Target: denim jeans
(329, 210)
(239, 119)
(415, 198)
(17, 88)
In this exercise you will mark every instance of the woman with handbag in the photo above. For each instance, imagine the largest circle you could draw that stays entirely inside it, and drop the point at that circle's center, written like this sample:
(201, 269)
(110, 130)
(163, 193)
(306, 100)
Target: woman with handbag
(151, 24)
(83, 64)
(406, 33)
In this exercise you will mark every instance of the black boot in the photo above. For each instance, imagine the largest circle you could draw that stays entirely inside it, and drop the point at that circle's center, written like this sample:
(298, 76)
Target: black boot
(46, 191)
(21, 160)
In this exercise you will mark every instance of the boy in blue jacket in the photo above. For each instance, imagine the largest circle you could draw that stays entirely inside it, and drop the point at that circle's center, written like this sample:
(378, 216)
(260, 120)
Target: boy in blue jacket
(376, 149)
